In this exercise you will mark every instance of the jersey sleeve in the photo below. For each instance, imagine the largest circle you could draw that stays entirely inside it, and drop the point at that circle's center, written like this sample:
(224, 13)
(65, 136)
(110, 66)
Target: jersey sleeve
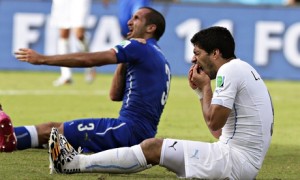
(129, 51)
(226, 86)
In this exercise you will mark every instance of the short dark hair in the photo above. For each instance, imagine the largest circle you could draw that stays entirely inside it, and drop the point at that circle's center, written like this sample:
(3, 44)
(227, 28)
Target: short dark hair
(214, 38)
(155, 17)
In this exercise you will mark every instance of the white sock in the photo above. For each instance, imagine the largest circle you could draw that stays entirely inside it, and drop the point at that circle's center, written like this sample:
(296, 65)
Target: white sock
(33, 135)
(63, 48)
(66, 73)
(82, 46)
(119, 160)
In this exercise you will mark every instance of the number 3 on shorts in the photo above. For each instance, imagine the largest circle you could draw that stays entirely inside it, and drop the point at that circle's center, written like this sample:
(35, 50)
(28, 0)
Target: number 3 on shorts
(87, 127)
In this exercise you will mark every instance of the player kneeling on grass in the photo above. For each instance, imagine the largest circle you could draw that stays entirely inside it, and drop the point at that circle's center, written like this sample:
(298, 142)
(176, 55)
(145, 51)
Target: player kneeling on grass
(141, 81)
(239, 113)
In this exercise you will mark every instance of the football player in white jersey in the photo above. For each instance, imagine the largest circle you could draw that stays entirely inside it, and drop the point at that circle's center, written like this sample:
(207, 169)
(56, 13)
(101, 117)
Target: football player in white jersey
(68, 15)
(239, 113)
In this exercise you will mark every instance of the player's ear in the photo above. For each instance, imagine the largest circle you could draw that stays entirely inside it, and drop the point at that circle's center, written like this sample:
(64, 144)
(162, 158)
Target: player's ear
(216, 52)
(151, 28)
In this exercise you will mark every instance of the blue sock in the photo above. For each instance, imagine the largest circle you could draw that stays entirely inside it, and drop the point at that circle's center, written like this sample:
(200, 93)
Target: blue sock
(26, 137)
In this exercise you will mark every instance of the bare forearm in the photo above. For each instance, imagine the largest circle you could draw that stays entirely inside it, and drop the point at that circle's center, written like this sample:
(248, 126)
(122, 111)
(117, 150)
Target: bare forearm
(77, 60)
(118, 83)
(68, 60)
(206, 103)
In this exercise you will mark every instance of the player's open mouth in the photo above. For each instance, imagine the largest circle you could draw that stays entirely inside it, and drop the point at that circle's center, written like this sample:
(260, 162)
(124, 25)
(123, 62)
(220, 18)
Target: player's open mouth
(199, 69)
(130, 32)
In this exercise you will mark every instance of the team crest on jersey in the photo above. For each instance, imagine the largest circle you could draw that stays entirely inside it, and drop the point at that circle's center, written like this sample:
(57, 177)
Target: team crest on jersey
(220, 81)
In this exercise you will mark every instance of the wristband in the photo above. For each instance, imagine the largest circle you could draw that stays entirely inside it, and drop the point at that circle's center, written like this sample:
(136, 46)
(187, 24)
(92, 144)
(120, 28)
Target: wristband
(199, 93)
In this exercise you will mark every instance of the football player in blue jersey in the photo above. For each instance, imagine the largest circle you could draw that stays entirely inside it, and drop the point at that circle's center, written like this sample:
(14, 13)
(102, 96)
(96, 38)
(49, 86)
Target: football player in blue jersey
(141, 81)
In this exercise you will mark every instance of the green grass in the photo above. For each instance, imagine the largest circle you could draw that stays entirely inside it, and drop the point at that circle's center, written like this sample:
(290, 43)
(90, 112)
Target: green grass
(29, 98)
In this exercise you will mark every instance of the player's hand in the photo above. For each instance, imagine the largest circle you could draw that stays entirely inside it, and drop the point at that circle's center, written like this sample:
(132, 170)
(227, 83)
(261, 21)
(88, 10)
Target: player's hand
(191, 83)
(28, 55)
(198, 77)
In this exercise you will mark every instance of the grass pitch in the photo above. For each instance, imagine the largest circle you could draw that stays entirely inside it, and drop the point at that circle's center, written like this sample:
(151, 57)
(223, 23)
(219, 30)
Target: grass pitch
(29, 98)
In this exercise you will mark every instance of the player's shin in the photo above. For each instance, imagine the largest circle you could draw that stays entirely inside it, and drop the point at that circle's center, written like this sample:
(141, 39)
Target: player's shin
(120, 160)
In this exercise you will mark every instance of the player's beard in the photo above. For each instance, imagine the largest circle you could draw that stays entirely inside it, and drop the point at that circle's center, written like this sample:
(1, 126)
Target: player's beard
(209, 68)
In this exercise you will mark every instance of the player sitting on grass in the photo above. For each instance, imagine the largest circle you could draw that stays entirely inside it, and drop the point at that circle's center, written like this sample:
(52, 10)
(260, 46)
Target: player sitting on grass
(239, 113)
(141, 81)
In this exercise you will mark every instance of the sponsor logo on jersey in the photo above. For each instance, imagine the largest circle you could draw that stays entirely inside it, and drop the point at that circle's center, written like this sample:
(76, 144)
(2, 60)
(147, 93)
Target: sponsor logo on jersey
(220, 81)
(125, 43)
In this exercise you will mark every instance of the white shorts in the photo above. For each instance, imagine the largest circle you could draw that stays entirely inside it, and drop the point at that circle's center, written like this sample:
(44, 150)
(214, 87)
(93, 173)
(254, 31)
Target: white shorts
(193, 159)
(70, 13)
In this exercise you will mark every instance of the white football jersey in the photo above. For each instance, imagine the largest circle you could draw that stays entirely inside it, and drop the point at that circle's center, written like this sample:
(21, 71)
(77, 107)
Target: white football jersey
(70, 13)
(249, 126)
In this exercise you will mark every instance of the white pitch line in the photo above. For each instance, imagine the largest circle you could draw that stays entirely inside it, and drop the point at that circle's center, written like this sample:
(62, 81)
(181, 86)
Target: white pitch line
(50, 92)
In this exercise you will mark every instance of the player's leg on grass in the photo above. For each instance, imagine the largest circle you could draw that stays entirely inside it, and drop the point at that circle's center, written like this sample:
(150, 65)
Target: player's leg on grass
(91, 134)
(65, 159)
(99, 134)
(34, 136)
(120, 160)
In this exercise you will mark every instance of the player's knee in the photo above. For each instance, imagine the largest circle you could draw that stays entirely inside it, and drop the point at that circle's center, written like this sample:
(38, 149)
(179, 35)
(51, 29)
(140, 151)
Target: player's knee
(64, 33)
(43, 131)
(50, 125)
(152, 150)
(79, 34)
(45, 128)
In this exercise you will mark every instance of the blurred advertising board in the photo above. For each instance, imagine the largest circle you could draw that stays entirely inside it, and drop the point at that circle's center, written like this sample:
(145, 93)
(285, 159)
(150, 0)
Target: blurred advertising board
(267, 37)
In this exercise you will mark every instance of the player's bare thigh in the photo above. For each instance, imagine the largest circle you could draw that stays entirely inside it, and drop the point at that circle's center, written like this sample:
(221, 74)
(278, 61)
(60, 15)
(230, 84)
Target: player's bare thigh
(152, 150)
(43, 131)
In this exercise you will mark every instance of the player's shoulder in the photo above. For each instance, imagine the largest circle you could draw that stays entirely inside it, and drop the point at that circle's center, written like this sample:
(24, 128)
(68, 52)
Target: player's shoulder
(233, 68)
(236, 65)
(132, 42)
(233, 63)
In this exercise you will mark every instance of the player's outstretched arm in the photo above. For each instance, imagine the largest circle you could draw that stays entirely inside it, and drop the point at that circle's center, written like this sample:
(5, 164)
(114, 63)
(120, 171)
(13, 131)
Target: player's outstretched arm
(68, 60)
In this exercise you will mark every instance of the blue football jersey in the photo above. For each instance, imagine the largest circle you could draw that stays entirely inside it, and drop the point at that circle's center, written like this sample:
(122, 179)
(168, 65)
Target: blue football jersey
(146, 91)
(148, 80)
